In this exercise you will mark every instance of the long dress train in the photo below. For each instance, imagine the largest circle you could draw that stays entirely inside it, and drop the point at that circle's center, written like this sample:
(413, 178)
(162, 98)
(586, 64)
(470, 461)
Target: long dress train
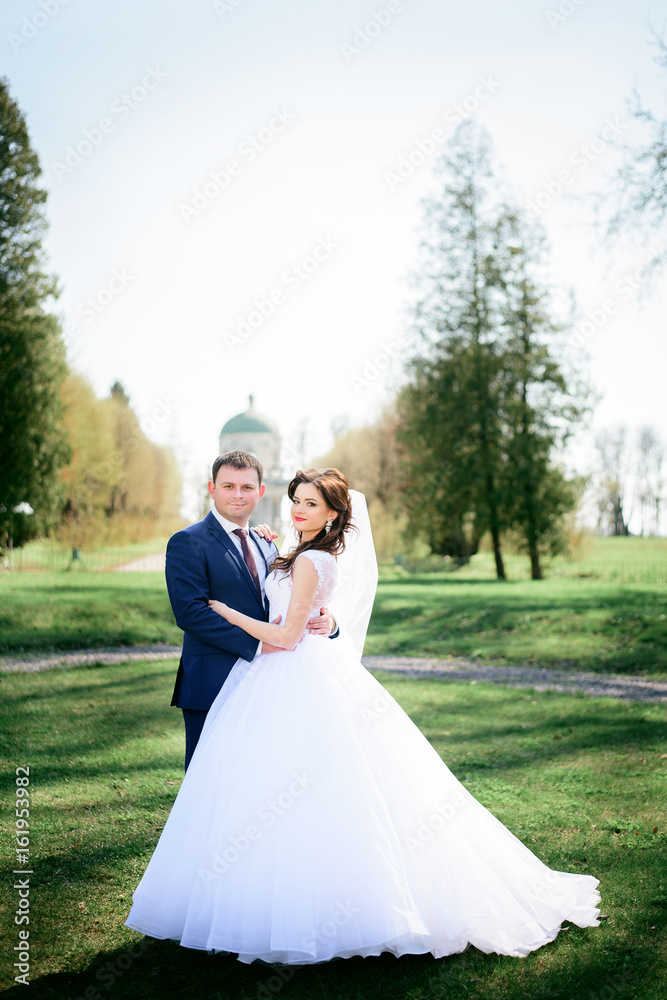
(316, 821)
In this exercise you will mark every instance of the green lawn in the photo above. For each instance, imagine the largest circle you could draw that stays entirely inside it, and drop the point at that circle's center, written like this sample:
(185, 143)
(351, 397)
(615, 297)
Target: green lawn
(590, 624)
(581, 781)
(616, 560)
(43, 611)
(52, 556)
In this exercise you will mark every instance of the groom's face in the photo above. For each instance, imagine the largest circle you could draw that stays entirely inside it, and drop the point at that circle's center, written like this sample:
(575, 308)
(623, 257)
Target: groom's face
(236, 493)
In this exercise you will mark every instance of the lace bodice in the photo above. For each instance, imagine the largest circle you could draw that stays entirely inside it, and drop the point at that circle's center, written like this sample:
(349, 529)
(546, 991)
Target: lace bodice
(279, 585)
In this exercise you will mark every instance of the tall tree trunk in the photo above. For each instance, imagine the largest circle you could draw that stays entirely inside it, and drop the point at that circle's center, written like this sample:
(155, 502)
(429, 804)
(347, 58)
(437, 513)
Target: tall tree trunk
(491, 495)
(527, 483)
(483, 405)
(535, 568)
(497, 554)
(495, 529)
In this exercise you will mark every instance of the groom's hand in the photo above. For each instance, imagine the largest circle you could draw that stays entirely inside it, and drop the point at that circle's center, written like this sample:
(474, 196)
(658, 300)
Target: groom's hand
(267, 647)
(322, 625)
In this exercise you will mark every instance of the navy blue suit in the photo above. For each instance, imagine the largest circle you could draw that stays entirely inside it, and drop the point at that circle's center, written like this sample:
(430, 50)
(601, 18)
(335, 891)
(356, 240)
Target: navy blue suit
(204, 564)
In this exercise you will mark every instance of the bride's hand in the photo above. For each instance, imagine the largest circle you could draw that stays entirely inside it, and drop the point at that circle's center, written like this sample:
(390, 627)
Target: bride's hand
(265, 531)
(219, 607)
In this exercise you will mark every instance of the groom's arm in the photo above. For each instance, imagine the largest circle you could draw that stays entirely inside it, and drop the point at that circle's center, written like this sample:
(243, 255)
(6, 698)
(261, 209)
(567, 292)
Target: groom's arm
(188, 587)
(324, 624)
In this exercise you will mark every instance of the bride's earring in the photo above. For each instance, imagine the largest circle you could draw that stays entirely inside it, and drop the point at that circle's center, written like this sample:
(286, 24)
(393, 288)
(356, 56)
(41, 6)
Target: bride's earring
(327, 527)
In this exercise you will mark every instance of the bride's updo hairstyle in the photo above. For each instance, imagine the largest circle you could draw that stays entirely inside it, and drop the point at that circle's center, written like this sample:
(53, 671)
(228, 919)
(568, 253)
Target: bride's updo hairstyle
(333, 487)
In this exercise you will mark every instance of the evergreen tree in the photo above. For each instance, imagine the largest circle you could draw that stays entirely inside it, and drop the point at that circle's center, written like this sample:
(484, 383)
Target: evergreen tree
(541, 404)
(488, 402)
(451, 410)
(33, 444)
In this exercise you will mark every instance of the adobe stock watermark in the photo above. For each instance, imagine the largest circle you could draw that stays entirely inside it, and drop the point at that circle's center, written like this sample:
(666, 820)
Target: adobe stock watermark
(32, 25)
(291, 280)
(22, 830)
(581, 158)
(160, 410)
(625, 289)
(380, 362)
(342, 915)
(93, 305)
(225, 7)
(273, 985)
(424, 148)
(267, 815)
(121, 108)
(364, 34)
(112, 970)
(428, 828)
(220, 179)
(564, 10)
(381, 703)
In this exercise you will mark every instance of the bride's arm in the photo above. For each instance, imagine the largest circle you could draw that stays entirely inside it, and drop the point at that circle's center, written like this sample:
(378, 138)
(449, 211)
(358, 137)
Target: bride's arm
(304, 586)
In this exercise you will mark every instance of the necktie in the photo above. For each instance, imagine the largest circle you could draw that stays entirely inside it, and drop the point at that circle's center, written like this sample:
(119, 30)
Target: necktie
(249, 558)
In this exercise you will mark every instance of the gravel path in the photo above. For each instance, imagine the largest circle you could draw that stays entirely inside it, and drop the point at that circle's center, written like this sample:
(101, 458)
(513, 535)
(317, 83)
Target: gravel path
(540, 678)
(31, 662)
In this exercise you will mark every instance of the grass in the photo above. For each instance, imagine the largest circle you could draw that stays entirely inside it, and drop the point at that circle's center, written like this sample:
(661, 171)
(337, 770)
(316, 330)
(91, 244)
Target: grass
(591, 625)
(45, 611)
(616, 560)
(581, 781)
(588, 624)
(50, 555)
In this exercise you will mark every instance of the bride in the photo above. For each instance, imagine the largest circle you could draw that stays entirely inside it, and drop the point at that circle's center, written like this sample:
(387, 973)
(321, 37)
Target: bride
(315, 820)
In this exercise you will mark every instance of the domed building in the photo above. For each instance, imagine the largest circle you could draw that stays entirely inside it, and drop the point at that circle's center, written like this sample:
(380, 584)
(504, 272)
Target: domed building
(251, 431)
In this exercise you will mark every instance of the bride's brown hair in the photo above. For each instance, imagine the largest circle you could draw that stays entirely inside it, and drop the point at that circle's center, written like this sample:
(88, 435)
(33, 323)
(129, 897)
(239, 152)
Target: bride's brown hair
(333, 487)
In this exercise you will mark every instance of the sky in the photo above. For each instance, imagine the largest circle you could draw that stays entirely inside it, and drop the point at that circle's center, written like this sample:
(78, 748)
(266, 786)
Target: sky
(228, 216)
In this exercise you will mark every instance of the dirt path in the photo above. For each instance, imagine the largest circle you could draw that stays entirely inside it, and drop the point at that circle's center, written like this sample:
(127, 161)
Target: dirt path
(146, 564)
(540, 678)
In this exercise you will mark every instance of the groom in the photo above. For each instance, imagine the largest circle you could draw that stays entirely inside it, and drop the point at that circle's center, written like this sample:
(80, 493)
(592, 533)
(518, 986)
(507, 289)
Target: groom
(219, 559)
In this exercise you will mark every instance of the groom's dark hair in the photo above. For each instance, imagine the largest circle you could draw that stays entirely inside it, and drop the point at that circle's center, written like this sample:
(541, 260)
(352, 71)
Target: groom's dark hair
(237, 460)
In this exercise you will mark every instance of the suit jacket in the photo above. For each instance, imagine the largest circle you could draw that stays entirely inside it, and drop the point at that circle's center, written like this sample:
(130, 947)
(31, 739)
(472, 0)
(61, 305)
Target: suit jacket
(204, 564)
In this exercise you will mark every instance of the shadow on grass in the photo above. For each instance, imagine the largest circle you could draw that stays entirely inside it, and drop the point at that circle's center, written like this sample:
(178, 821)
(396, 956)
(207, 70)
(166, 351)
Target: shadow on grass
(609, 726)
(148, 969)
(630, 637)
(559, 737)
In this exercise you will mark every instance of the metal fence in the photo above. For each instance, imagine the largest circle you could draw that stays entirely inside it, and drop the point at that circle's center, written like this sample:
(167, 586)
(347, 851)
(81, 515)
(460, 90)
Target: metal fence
(56, 560)
(53, 559)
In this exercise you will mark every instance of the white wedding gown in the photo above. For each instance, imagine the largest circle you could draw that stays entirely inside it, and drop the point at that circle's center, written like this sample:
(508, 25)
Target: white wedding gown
(316, 821)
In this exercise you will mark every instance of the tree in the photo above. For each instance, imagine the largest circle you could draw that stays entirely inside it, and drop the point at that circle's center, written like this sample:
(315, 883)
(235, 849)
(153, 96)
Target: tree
(541, 404)
(629, 478)
(650, 484)
(119, 485)
(89, 476)
(33, 444)
(637, 202)
(488, 403)
(117, 391)
(450, 411)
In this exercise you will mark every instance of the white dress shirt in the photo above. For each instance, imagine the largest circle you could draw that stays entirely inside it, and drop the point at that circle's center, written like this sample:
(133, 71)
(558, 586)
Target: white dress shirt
(230, 527)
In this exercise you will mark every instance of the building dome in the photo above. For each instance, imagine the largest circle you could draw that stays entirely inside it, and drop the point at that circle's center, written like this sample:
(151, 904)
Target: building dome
(250, 422)
(252, 432)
